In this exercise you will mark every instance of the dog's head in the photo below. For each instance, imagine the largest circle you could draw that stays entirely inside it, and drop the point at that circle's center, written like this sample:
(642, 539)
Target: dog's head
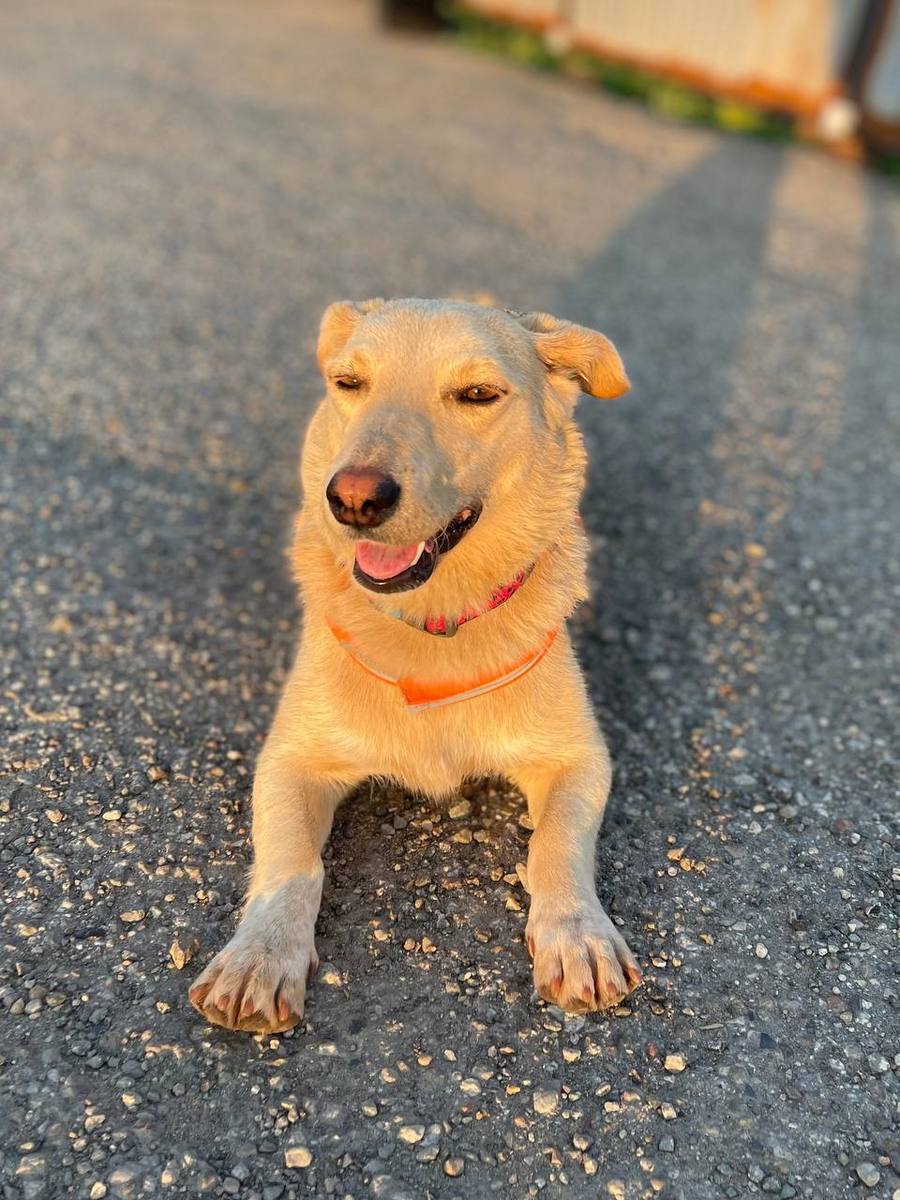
(444, 456)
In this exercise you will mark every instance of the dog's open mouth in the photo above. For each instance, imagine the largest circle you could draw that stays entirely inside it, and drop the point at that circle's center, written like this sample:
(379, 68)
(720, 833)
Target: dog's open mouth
(381, 567)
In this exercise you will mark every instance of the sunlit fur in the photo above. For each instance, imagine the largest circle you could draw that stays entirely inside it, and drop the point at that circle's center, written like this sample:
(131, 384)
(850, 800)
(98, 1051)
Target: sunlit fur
(521, 457)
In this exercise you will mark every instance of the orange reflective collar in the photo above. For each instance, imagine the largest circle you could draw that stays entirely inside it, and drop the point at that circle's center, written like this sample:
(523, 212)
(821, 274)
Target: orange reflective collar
(424, 693)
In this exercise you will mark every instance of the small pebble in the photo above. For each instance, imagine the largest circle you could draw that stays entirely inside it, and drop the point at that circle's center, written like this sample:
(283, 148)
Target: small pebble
(297, 1156)
(545, 1102)
(675, 1062)
(182, 950)
(868, 1173)
(411, 1134)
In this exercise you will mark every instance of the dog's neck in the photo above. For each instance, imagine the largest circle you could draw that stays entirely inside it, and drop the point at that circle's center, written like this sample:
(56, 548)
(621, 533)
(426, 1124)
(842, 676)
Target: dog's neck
(554, 587)
(442, 625)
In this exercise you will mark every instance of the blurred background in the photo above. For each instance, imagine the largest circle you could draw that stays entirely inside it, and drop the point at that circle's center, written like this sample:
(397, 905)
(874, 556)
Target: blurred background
(825, 70)
(184, 186)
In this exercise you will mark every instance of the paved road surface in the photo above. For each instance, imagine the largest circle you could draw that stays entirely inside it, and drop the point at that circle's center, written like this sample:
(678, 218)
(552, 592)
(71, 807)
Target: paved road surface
(183, 187)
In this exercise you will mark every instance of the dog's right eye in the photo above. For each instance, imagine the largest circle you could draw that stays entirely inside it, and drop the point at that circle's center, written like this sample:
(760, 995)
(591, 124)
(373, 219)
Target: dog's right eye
(480, 393)
(348, 383)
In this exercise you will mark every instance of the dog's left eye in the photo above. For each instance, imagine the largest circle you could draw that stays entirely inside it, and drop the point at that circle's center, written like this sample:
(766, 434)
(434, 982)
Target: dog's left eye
(348, 383)
(480, 393)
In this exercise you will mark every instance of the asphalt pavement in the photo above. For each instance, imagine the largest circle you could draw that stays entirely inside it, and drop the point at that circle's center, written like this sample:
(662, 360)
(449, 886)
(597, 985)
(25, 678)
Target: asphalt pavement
(183, 187)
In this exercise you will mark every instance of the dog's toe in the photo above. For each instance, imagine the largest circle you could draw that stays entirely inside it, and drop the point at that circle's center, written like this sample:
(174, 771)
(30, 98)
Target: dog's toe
(581, 962)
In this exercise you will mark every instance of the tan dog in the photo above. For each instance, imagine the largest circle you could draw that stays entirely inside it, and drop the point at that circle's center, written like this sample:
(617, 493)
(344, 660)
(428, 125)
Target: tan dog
(441, 474)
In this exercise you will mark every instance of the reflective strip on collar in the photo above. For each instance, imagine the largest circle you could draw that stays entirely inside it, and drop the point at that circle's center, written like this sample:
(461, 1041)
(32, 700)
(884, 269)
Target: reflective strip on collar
(422, 693)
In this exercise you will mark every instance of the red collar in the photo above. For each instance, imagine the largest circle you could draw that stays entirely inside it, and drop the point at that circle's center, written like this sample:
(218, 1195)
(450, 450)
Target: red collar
(444, 626)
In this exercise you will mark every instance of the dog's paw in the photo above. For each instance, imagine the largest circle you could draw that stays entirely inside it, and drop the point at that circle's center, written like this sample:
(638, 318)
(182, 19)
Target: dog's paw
(581, 962)
(257, 984)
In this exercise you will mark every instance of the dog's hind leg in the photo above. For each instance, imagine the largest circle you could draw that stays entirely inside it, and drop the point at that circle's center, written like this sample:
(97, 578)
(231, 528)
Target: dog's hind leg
(258, 981)
(581, 961)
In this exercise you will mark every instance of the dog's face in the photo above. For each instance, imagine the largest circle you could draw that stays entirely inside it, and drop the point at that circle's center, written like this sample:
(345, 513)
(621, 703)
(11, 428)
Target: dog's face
(444, 456)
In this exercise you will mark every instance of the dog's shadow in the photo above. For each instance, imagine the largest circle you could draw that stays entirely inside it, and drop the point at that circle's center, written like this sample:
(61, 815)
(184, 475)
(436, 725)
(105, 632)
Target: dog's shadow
(679, 320)
(415, 884)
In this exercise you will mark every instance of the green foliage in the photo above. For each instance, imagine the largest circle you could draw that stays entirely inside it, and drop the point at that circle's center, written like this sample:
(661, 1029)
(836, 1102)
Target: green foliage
(889, 163)
(737, 117)
(624, 81)
(522, 46)
(684, 104)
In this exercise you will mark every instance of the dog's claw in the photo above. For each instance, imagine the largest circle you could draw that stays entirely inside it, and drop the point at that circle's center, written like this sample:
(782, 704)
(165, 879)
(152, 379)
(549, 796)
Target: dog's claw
(197, 993)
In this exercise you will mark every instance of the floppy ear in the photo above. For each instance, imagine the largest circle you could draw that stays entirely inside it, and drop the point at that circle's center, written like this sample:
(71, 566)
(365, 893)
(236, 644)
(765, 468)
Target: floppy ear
(338, 322)
(577, 353)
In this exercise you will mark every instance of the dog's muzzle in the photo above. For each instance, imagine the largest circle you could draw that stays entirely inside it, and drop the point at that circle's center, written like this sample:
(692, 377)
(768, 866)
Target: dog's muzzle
(381, 567)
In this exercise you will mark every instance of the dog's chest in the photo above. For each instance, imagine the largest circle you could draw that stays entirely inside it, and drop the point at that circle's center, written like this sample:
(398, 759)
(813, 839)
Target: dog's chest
(432, 752)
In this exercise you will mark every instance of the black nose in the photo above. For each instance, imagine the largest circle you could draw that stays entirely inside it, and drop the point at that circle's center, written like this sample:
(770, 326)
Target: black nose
(362, 497)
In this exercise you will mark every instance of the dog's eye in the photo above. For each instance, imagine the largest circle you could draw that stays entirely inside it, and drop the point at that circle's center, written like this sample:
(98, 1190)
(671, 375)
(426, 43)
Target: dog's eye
(480, 393)
(348, 383)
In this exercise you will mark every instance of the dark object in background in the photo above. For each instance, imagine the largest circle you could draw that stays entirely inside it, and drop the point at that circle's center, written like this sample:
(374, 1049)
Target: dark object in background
(872, 76)
(410, 14)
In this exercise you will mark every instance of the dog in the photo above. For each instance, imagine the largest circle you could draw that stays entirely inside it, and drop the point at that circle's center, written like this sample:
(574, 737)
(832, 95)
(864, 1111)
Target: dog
(439, 551)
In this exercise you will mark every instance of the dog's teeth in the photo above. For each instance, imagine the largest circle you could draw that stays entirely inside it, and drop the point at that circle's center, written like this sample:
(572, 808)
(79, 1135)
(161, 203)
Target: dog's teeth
(418, 553)
(465, 514)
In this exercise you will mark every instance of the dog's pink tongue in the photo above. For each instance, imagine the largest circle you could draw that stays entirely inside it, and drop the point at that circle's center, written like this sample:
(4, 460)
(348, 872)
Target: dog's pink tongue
(384, 562)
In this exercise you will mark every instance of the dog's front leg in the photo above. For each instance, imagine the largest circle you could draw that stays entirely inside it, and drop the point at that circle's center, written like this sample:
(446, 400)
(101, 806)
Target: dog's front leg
(258, 982)
(581, 961)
